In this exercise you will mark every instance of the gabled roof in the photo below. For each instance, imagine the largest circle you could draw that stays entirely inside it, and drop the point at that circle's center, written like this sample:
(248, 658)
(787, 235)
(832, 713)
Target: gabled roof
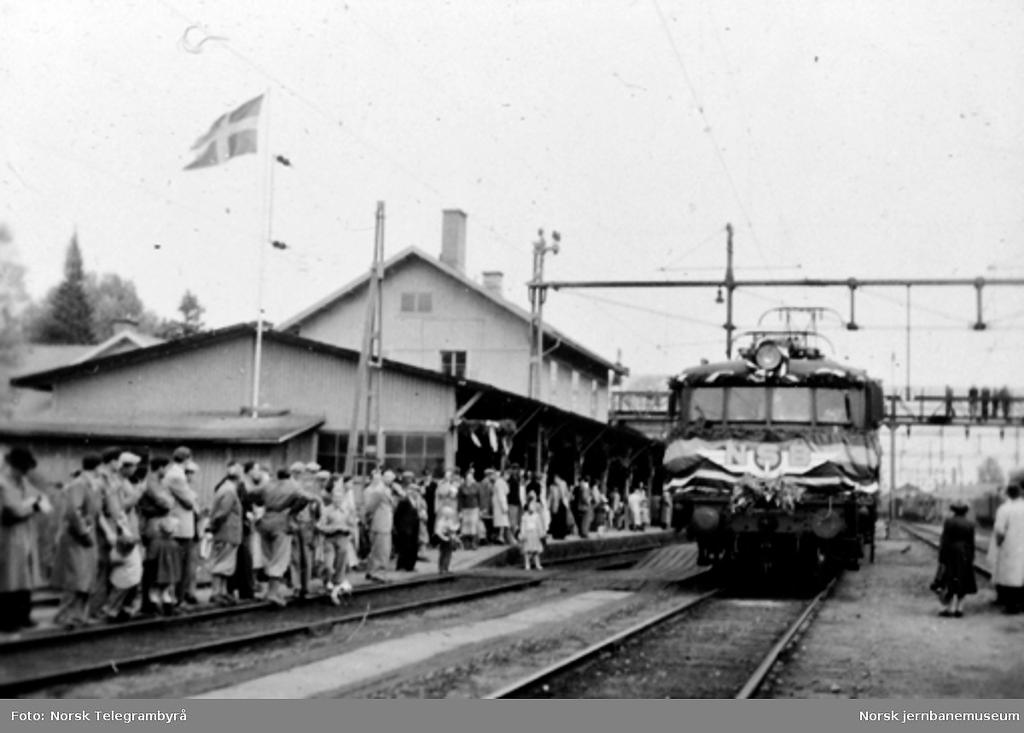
(414, 253)
(40, 357)
(46, 379)
(129, 338)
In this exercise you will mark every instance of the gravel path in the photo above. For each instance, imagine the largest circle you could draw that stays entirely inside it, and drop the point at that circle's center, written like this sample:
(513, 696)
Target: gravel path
(881, 636)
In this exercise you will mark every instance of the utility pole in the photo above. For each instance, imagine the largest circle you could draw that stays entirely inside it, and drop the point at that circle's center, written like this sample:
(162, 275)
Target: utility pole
(892, 466)
(730, 287)
(371, 363)
(538, 294)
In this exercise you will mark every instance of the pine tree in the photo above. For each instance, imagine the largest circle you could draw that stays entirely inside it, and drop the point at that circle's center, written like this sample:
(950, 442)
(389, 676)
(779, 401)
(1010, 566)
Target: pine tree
(68, 315)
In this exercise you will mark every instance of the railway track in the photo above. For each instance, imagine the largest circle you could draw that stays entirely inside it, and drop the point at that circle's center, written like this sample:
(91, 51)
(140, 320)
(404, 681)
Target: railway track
(708, 646)
(80, 656)
(930, 536)
(38, 639)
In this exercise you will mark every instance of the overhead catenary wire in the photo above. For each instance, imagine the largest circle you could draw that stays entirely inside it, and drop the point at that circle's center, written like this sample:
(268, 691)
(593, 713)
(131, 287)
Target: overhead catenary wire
(708, 128)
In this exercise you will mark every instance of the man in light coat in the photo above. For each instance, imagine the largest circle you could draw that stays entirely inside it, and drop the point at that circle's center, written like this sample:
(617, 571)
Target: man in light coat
(499, 508)
(1009, 537)
(176, 481)
(378, 512)
(74, 570)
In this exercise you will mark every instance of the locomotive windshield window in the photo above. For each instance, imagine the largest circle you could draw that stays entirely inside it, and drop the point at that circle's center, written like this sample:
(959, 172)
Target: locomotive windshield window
(748, 404)
(707, 404)
(832, 406)
(792, 404)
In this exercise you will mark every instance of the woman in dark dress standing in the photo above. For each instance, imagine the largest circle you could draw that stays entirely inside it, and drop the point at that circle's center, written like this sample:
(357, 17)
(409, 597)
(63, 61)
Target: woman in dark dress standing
(407, 533)
(955, 578)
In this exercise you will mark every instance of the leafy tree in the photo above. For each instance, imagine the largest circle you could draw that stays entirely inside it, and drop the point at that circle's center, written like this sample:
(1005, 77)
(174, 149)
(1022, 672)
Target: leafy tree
(12, 300)
(191, 321)
(67, 315)
(115, 298)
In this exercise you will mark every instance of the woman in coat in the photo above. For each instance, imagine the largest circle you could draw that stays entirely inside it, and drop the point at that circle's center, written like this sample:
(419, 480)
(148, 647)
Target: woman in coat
(955, 578)
(226, 528)
(74, 570)
(20, 503)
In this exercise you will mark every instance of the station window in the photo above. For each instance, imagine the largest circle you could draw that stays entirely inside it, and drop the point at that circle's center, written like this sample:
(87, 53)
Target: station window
(414, 451)
(331, 450)
(417, 302)
(575, 388)
(453, 363)
(554, 378)
(593, 397)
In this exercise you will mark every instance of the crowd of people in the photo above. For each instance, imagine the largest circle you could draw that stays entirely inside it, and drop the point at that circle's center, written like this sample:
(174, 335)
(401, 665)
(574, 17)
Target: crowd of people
(132, 536)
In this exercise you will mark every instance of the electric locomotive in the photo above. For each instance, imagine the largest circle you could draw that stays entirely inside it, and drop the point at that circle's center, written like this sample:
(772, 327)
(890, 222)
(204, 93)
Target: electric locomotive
(773, 458)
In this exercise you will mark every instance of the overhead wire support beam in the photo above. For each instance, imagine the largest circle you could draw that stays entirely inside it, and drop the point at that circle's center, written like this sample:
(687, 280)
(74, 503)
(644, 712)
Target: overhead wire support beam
(850, 282)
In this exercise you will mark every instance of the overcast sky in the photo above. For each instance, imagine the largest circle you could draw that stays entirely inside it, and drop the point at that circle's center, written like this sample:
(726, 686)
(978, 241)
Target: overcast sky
(869, 139)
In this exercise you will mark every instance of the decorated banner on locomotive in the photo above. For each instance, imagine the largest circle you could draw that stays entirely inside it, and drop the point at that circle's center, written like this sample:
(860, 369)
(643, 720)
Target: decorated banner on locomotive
(775, 453)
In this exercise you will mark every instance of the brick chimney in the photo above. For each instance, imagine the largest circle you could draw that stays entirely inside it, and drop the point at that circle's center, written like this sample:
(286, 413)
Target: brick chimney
(124, 323)
(493, 281)
(453, 239)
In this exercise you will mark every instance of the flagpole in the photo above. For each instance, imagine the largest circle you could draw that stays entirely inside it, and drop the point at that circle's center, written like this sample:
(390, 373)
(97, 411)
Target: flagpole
(264, 243)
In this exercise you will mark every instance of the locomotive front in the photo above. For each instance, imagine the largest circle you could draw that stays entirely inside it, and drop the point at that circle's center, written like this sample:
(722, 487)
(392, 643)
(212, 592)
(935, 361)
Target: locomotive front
(773, 459)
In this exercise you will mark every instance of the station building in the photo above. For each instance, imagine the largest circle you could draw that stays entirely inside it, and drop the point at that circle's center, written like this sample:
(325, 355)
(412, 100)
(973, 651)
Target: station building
(454, 388)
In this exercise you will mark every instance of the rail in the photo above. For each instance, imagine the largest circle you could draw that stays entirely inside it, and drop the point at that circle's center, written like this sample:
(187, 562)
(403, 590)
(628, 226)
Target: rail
(28, 673)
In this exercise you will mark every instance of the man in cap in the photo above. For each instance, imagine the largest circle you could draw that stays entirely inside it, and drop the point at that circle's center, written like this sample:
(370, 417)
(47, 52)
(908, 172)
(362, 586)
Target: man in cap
(20, 503)
(176, 481)
(281, 501)
(1008, 574)
(304, 526)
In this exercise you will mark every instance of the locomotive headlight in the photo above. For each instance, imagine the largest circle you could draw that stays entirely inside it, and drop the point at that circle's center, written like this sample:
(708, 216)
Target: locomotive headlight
(768, 356)
(706, 519)
(826, 524)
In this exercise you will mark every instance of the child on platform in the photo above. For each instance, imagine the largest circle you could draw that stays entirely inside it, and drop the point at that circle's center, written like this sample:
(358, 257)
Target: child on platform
(446, 528)
(531, 533)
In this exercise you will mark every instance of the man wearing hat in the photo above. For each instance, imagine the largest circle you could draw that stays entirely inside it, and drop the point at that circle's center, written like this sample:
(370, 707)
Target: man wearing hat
(304, 526)
(109, 494)
(1008, 527)
(20, 503)
(176, 481)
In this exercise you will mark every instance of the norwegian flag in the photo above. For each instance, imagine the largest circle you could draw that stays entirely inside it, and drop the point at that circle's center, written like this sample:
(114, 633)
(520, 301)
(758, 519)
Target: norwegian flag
(232, 134)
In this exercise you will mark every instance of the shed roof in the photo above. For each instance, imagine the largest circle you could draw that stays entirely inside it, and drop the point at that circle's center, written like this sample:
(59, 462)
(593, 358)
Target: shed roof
(194, 428)
(414, 253)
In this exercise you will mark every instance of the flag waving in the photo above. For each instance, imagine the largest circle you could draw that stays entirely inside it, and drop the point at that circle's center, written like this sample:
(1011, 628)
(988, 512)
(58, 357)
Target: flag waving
(232, 134)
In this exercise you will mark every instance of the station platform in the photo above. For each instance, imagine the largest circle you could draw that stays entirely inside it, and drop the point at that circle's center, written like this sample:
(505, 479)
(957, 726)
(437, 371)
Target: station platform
(46, 601)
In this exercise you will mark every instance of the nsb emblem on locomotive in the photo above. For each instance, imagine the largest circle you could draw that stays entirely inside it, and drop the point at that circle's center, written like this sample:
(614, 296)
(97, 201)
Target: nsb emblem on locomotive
(773, 458)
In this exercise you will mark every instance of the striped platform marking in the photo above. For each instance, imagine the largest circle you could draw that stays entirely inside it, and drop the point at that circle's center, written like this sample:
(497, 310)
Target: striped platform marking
(389, 656)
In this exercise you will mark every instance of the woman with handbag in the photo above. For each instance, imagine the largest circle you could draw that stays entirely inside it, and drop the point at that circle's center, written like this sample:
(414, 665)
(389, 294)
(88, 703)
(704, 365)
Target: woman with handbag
(955, 577)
